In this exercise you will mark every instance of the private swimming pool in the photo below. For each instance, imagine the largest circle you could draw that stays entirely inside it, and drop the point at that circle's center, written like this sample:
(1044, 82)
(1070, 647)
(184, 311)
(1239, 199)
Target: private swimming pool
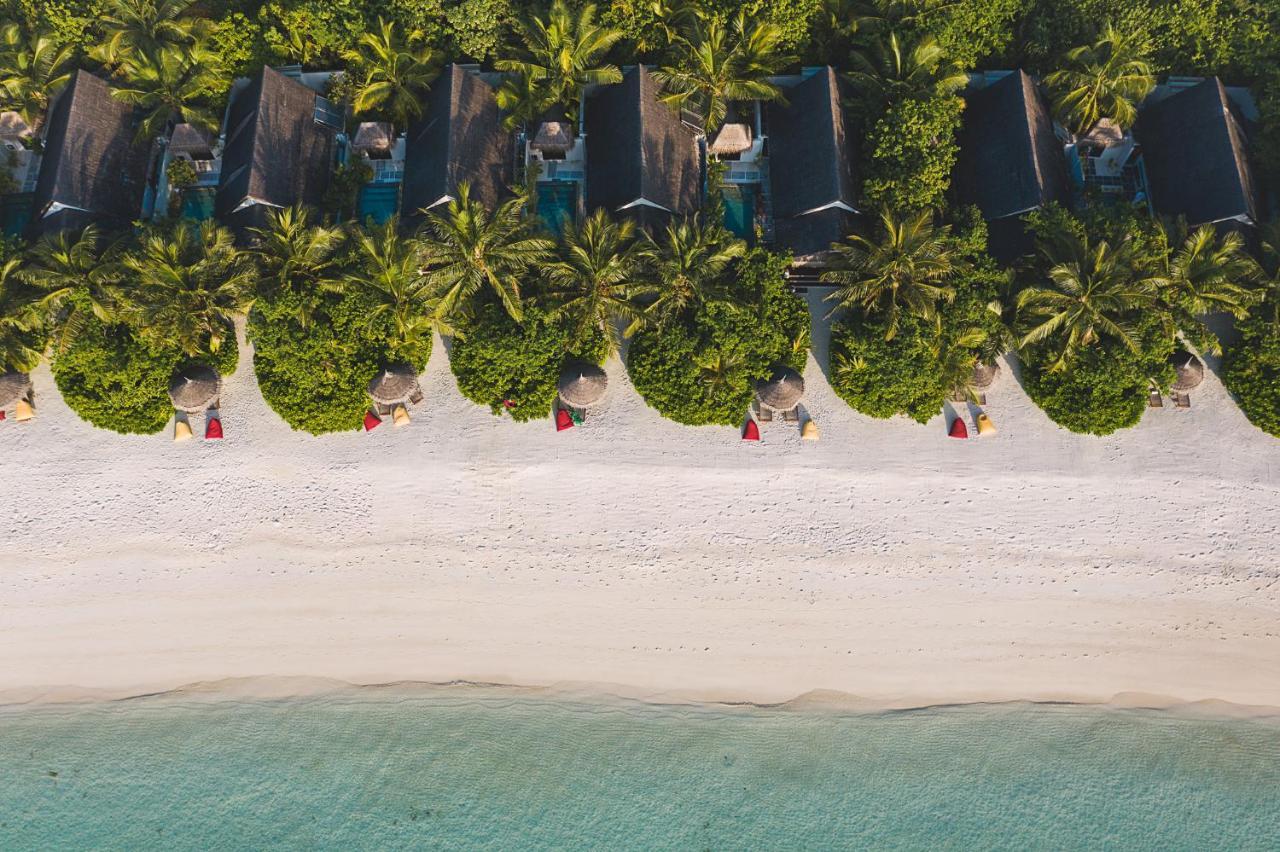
(740, 210)
(378, 201)
(15, 213)
(197, 202)
(557, 203)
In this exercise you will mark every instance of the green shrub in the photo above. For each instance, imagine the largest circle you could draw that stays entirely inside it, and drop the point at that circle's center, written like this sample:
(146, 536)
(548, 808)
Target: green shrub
(317, 377)
(114, 380)
(911, 151)
(701, 370)
(1251, 370)
(1104, 389)
(498, 359)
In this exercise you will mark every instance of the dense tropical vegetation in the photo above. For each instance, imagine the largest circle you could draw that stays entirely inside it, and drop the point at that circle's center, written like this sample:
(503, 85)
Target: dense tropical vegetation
(1093, 313)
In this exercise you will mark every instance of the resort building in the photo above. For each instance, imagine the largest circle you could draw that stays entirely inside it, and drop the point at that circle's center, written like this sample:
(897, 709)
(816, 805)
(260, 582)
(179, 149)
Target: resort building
(643, 161)
(19, 168)
(1194, 143)
(279, 147)
(93, 169)
(459, 138)
(1011, 159)
(812, 182)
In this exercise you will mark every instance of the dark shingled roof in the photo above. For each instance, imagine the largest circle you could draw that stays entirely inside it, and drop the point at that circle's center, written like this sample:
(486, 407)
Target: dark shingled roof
(1010, 161)
(276, 152)
(811, 165)
(459, 138)
(91, 160)
(638, 148)
(1195, 151)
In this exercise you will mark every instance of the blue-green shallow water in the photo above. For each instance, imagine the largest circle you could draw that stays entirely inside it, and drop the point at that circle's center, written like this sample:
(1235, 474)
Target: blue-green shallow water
(491, 771)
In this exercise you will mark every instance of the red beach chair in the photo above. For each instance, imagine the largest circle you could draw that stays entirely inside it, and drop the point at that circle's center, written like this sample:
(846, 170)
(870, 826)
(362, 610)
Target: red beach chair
(958, 429)
(371, 421)
(564, 420)
(751, 432)
(213, 429)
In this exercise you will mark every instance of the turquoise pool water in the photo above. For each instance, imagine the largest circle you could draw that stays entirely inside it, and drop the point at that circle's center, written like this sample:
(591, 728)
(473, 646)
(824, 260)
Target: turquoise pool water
(15, 213)
(197, 202)
(557, 203)
(378, 201)
(479, 769)
(739, 210)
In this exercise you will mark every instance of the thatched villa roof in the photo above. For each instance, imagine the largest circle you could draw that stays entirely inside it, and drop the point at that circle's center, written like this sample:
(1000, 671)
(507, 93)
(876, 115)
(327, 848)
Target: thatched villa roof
(582, 385)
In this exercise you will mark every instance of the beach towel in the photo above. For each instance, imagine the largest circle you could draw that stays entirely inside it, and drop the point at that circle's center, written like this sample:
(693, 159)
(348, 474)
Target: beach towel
(23, 411)
(400, 416)
(809, 431)
(985, 426)
(564, 420)
(958, 429)
(212, 429)
(371, 421)
(1, 414)
(181, 430)
(751, 432)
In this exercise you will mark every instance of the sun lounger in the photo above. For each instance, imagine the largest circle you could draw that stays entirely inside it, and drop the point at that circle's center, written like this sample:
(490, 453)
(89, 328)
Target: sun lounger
(791, 416)
(765, 414)
(1154, 400)
(416, 397)
(1182, 400)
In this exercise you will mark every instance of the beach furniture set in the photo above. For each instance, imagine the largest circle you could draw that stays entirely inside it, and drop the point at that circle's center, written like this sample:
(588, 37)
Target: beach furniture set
(392, 391)
(194, 390)
(780, 395)
(581, 385)
(16, 397)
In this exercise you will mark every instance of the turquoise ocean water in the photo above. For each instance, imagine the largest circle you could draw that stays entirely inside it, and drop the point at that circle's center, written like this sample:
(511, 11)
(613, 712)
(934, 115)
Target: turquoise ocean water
(477, 769)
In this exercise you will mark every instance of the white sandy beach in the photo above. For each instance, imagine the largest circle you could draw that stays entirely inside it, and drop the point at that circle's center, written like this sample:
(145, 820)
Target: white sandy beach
(885, 561)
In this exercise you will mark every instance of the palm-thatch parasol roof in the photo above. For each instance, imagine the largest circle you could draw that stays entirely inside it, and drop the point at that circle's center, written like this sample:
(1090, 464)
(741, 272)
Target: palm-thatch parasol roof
(194, 388)
(782, 391)
(394, 385)
(732, 139)
(13, 387)
(192, 140)
(375, 137)
(13, 125)
(1103, 134)
(553, 137)
(582, 385)
(1190, 371)
(984, 375)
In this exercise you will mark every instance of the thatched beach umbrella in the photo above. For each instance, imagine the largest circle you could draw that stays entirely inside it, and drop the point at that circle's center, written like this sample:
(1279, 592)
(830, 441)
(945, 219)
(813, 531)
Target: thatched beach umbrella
(1190, 371)
(195, 142)
(732, 139)
(782, 391)
(582, 385)
(13, 387)
(395, 385)
(194, 388)
(984, 376)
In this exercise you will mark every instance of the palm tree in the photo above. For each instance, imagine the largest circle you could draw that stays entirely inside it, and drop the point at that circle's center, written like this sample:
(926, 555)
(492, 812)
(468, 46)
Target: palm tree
(1094, 294)
(298, 259)
(715, 64)
(1266, 270)
(468, 250)
(190, 283)
(1207, 274)
(171, 85)
(892, 70)
(955, 351)
(146, 27)
(387, 270)
(720, 369)
(394, 72)
(684, 270)
(33, 69)
(78, 277)
(591, 282)
(1106, 79)
(562, 54)
(906, 266)
(20, 321)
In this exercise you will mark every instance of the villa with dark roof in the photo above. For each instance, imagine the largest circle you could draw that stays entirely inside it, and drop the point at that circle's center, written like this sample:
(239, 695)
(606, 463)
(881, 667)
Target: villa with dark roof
(279, 150)
(94, 170)
(1011, 162)
(642, 161)
(811, 166)
(459, 138)
(1195, 154)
